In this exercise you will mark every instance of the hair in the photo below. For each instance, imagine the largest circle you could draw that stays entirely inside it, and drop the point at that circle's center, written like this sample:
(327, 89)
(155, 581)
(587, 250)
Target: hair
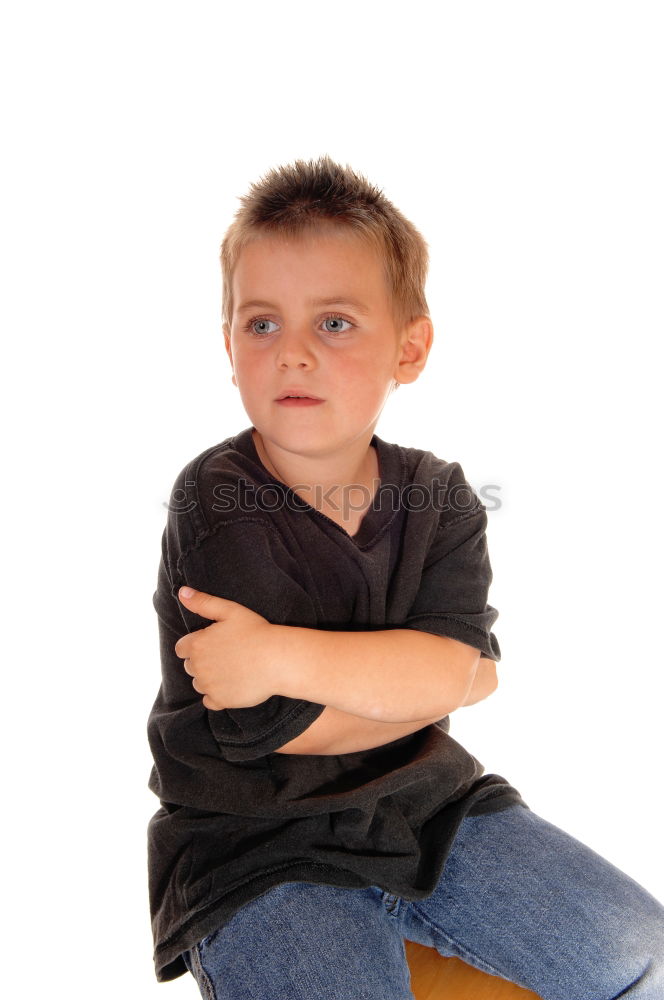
(307, 197)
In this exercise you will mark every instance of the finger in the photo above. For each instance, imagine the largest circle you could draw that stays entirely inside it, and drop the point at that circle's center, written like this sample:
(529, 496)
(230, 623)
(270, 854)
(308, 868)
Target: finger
(214, 706)
(181, 647)
(208, 606)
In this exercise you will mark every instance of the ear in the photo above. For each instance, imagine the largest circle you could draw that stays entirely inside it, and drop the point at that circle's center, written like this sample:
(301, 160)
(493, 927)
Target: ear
(227, 344)
(414, 346)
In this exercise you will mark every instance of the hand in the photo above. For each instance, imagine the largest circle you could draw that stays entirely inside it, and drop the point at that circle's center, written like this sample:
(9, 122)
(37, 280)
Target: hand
(230, 661)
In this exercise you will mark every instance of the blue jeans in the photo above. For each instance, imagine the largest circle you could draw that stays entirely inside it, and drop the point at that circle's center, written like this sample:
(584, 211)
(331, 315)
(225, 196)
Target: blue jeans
(518, 898)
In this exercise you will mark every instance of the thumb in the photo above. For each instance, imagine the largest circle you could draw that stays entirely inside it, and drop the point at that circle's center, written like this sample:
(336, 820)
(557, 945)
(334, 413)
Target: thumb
(206, 605)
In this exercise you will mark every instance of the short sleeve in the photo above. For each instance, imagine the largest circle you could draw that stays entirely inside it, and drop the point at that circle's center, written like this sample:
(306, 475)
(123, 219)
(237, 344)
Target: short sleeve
(453, 593)
(241, 733)
(230, 564)
(247, 733)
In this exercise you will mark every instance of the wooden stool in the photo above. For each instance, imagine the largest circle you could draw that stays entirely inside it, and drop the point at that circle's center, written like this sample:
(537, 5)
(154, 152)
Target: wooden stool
(436, 978)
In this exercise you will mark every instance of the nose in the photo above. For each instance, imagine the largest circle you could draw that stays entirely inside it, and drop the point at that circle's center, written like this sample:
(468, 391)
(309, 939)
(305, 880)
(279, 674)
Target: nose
(295, 349)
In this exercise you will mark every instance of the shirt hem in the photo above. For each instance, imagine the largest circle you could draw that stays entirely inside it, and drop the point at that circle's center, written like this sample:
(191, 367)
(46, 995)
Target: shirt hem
(169, 963)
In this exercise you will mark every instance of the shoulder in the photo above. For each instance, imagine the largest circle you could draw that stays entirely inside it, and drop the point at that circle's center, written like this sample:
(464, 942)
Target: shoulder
(433, 483)
(216, 485)
(217, 458)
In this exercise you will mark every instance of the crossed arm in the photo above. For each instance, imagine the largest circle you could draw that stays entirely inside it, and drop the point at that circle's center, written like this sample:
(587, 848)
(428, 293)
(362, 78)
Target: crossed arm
(377, 686)
(336, 732)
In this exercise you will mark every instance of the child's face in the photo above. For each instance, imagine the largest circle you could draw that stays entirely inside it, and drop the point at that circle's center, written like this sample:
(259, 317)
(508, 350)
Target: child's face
(313, 314)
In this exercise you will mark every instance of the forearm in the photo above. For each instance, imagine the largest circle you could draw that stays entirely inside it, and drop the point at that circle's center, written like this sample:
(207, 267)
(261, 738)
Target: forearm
(336, 732)
(394, 675)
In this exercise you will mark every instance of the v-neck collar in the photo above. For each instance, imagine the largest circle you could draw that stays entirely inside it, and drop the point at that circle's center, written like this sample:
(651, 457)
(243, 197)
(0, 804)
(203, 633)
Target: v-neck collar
(386, 502)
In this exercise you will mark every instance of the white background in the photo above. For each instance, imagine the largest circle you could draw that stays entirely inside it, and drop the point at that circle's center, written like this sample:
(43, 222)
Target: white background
(524, 140)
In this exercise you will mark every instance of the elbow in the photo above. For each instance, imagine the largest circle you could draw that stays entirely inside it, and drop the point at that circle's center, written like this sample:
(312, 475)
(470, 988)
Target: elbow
(466, 665)
(490, 673)
(484, 683)
(469, 678)
(478, 677)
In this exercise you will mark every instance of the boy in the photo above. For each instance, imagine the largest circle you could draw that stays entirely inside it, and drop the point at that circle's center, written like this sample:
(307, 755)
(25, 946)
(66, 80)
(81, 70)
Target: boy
(322, 603)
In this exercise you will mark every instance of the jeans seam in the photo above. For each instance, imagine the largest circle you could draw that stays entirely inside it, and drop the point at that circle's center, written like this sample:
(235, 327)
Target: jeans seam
(204, 981)
(474, 959)
(391, 903)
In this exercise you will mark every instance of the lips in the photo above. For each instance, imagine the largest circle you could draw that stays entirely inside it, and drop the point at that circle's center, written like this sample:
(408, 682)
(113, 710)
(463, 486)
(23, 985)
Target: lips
(298, 393)
(299, 401)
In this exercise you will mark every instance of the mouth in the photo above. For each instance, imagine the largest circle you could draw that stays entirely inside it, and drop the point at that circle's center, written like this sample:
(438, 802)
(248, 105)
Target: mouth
(299, 401)
(295, 394)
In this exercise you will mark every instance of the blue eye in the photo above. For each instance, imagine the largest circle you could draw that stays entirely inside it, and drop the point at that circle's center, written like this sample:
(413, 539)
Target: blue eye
(337, 320)
(259, 326)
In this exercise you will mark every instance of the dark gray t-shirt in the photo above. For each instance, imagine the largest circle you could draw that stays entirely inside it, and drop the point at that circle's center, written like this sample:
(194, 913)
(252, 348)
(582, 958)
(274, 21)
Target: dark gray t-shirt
(236, 817)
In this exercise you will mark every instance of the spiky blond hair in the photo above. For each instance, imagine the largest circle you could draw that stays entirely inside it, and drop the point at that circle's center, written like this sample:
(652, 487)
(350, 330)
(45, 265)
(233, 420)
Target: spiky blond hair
(305, 197)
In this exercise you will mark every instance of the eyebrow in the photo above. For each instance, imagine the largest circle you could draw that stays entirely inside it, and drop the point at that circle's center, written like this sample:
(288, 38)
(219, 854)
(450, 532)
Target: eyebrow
(333, 300)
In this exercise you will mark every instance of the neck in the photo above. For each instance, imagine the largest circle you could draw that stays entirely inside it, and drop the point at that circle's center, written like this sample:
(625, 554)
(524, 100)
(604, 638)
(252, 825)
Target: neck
(341, 484)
